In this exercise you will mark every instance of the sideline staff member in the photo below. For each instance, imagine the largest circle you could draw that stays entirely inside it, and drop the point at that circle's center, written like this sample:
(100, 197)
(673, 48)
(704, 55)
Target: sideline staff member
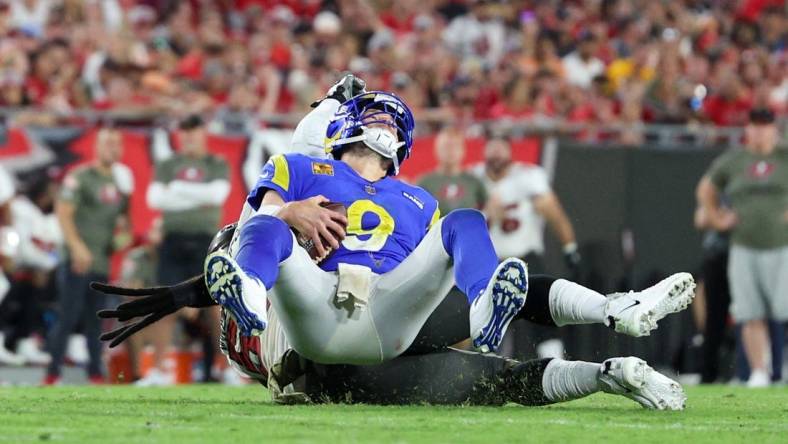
(92, 202)
(756, 181)
(189, 188)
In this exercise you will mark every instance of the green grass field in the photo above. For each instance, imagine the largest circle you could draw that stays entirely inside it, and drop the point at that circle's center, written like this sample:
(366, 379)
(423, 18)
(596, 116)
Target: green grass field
(189, 414)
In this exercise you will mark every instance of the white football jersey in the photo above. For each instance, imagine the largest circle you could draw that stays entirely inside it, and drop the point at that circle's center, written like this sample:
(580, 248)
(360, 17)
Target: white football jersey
(39, 235)
(7, 188)
(522, 229)
(273, 343)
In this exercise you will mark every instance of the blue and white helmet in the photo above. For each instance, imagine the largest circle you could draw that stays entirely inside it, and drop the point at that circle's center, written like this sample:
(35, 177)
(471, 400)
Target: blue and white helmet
(351, 124)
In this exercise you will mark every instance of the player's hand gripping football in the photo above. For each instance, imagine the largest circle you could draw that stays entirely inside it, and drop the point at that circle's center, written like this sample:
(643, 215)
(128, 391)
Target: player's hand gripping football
(151, 304)
(310, 217)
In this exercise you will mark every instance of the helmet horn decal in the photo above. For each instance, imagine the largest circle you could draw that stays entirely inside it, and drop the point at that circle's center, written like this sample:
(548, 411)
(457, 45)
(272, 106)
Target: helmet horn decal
(361, 118)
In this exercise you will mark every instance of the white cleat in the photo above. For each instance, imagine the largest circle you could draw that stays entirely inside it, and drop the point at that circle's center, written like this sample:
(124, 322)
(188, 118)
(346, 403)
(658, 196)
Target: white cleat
(156, 378)
(7, 357)
(636, 313)
(77, 349)
(633, 378)
(494, 309)
(759, 379)
(29, 351)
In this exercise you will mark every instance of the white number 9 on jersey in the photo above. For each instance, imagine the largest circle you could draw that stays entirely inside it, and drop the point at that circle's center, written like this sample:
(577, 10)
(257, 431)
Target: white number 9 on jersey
(377, 235)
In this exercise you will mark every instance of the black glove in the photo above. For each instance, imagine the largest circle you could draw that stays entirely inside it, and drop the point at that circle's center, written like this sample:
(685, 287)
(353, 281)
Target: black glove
(572, 259)
(153, 304)
(348, 86)
(158, 302)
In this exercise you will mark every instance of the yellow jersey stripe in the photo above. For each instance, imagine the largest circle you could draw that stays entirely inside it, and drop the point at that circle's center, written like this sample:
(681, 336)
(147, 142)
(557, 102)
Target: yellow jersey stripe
(435, 216)
(281, 172)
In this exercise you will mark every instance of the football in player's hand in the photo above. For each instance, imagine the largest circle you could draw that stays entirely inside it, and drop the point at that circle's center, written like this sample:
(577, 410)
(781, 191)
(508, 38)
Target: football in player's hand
(309, 245)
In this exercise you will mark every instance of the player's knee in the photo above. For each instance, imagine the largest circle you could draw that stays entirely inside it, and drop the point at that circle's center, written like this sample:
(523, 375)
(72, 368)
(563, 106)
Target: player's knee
(459, 224)
(264, 222)
(268, 228)
(465, 218)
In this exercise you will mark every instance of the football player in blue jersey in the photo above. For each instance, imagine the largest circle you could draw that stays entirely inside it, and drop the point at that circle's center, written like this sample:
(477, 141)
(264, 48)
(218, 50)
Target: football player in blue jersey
(393, 258)
(393, 287)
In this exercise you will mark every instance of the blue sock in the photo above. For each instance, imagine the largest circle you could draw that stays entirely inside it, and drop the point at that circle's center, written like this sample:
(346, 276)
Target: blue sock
(264, 242)
(466, 239)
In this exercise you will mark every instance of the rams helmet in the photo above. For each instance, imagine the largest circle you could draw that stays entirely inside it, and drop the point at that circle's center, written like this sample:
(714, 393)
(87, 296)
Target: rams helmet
(360, 119)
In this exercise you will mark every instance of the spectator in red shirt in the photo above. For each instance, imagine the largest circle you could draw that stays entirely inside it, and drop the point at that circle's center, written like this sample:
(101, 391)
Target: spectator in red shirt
(517, 100)
(731, 105)
(400, 16)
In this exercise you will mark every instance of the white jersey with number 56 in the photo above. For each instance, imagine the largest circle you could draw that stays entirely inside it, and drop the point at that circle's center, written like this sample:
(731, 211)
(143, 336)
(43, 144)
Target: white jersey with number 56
(522, 229)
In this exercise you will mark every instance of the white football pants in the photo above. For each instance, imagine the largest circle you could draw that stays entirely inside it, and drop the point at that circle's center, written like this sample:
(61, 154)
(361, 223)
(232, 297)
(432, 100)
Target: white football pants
(327, 332)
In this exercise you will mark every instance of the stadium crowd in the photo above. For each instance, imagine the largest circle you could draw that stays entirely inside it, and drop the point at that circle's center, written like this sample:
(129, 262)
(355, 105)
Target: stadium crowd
(256, 63)
(599, 62)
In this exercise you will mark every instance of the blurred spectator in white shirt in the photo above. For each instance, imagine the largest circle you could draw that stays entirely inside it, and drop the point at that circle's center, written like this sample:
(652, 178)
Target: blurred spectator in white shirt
(31, 15)
(581, 66)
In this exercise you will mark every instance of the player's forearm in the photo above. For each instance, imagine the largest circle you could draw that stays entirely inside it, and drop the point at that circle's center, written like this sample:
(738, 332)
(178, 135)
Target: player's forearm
(551, 209)
(311, 130)
(272, 205)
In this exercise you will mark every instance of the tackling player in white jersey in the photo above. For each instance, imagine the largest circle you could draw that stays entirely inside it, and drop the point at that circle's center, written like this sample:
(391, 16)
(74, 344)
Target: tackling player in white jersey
(521, 200)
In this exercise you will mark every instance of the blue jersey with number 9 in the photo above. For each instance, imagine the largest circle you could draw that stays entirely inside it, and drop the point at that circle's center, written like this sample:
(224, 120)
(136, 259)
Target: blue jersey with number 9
(386, 219)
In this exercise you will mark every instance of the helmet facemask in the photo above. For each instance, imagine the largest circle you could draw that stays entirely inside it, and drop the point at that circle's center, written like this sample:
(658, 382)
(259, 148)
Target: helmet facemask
(380, 120)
